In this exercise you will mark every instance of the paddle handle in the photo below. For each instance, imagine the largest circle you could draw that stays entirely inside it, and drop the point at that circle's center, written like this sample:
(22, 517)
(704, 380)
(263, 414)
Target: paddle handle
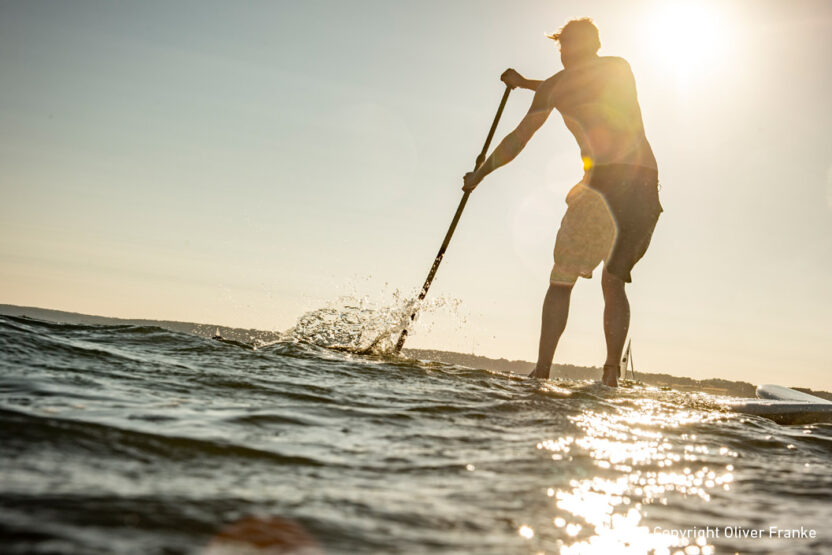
(438, 260)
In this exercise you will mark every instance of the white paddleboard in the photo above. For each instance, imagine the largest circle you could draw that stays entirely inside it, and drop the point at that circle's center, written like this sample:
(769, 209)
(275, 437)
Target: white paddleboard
(785, 406)
(780, 393)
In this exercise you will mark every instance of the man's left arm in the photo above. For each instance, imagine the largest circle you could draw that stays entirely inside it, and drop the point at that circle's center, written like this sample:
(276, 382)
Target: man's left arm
(514, 142)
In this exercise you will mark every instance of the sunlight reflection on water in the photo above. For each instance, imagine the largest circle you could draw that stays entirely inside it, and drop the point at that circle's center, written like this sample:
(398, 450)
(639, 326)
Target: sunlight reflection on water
(637, 465)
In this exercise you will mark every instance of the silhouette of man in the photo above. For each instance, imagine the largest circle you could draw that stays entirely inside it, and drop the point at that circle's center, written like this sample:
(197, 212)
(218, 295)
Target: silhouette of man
(612, 212)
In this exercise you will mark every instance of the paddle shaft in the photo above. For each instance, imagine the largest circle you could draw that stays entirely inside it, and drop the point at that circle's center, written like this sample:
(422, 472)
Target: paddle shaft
(459, 209)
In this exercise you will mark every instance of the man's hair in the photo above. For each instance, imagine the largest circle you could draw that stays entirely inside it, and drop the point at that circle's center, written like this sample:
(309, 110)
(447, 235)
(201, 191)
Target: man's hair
(581, 34)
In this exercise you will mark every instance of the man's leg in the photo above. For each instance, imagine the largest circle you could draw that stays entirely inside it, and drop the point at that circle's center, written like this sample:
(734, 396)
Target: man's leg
(555, 312)
(616, 324)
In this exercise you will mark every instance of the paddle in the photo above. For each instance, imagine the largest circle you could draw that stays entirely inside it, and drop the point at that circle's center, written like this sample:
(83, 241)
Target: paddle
(444, 247)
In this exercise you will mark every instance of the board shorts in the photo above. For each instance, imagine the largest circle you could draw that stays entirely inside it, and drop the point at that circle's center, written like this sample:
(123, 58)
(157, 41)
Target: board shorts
(610, 217)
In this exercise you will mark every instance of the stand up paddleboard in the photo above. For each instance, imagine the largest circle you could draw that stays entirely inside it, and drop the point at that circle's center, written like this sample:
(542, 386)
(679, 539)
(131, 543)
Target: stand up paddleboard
(785, 406)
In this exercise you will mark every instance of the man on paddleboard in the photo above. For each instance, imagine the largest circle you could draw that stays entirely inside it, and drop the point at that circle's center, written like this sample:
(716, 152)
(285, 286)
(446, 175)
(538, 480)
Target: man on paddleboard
(612, 212)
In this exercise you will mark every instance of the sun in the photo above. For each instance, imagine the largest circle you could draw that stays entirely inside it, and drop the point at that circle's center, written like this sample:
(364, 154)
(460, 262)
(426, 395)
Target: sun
(686, 37)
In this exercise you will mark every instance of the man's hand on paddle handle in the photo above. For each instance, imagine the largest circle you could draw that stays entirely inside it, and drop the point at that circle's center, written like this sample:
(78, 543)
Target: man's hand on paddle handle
(512, 78)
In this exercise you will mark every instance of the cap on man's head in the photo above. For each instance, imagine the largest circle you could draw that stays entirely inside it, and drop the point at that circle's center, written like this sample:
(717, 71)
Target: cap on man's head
(578, 33)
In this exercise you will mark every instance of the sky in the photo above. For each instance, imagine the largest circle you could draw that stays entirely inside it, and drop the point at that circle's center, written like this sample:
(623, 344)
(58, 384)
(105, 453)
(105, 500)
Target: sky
(243, 163)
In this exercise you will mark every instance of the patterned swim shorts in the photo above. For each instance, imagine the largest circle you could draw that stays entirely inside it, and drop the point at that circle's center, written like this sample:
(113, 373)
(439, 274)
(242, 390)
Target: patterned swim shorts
(610, 217)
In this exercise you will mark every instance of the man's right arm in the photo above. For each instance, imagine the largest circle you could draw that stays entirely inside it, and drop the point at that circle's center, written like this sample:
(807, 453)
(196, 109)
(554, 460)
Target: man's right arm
(514, 142)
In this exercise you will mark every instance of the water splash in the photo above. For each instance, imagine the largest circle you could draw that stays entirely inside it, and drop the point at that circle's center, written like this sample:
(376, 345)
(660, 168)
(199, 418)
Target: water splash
(360, 325)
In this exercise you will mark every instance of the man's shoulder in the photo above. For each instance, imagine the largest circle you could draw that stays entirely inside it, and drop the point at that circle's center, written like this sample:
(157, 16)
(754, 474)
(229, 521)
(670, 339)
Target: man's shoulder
(554, 78)
(547, 87)
(602, 64)
(616, 62)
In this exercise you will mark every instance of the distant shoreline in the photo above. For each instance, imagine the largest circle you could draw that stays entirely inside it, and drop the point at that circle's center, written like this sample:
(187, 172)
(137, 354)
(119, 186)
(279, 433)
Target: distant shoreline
(715, 386)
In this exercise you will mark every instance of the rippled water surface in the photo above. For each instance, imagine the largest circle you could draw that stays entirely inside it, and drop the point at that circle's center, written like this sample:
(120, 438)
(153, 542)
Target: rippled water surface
(127, 439)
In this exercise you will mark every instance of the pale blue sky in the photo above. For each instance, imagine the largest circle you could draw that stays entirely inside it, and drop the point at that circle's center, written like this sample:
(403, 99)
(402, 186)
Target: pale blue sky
(241, 163)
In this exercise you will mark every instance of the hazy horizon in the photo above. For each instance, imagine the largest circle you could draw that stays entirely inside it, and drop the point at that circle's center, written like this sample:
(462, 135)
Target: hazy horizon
(205, 162)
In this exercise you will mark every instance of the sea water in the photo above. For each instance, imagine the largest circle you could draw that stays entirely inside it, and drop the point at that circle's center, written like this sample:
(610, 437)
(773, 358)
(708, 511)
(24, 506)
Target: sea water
(130, 439)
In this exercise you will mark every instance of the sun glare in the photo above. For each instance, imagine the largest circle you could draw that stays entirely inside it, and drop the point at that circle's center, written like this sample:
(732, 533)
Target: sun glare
(686, 37)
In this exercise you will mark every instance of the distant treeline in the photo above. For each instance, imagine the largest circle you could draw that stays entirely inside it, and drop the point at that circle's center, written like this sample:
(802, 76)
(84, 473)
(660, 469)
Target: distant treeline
(253, 336)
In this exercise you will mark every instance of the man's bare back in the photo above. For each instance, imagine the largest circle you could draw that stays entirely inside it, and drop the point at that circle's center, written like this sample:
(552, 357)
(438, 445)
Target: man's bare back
(599, 105)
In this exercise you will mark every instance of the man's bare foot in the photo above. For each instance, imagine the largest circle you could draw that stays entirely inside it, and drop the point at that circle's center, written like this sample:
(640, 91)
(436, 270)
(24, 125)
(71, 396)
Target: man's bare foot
(610, 375)
(539, 374)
